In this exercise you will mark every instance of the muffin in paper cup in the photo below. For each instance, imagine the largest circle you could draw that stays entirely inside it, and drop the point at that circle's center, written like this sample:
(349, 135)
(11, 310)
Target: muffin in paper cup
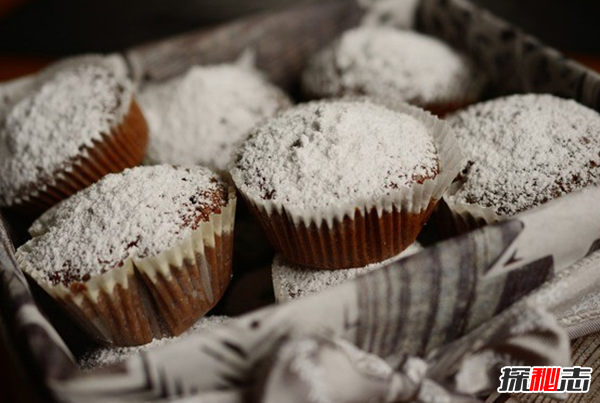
(520, 151)
(199, 117)
(328, 180)
(396, 66)
(64, 129)
(158, 254)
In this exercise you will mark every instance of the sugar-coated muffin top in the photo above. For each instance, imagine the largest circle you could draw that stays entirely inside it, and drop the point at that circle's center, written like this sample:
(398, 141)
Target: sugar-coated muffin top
(49, 120)
(328, 153)
(524, 150)
(135, 214)
(200, 117)
(398, 66)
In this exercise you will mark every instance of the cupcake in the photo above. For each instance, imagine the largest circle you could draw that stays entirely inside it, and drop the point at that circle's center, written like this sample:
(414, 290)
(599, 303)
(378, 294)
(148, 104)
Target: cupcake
(201, 116)
(520, 151)
(347, 183)
(64, 129)
(395, 66)
(291, 281)
(139, 255)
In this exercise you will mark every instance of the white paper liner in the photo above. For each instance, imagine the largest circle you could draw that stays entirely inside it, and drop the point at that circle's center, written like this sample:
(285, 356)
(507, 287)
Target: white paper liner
(451, 217)
(135, 273)
(464, 217)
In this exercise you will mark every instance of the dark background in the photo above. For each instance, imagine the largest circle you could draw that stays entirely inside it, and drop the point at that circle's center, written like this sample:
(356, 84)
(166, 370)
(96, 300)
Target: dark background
(58, 27)
(35, 31)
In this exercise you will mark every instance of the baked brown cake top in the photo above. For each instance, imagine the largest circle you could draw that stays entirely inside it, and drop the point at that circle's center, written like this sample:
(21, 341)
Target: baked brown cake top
(524, 150)
(135, 214)
(325, 154)
(48, 121)
(398, 66)
(200, 117)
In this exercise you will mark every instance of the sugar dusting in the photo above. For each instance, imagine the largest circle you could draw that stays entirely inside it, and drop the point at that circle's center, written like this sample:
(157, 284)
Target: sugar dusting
(200, 117)
(138, 213)
(105, 356)
(394, 65)
(524, 150)
(321, 153)
(14, 91)
(49, 120)
(291, 281)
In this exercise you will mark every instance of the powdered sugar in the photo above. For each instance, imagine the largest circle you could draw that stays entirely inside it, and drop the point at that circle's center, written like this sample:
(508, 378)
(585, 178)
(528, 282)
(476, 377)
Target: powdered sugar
(291, 281)
(12, 92)
(200, 117)
(49, 120)
(113, 62)
(138, 213)
(398, 66)
(321, 153)
(524, 150)
(104, 356)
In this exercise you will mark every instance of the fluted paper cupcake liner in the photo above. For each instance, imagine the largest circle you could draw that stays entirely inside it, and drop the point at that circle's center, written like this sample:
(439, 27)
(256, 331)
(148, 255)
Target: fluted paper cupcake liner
(364, 231)
(157, 296)
(451, 219)
(124, 147)
(186, 282)
(367, 237)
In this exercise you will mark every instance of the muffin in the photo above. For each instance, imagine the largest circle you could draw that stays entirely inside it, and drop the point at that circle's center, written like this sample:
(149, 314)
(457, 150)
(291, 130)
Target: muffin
(138, 255)
(201, 116)
(292, 282)
(347, 183)
(520, 152)
(64, 129)
(395, 66)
